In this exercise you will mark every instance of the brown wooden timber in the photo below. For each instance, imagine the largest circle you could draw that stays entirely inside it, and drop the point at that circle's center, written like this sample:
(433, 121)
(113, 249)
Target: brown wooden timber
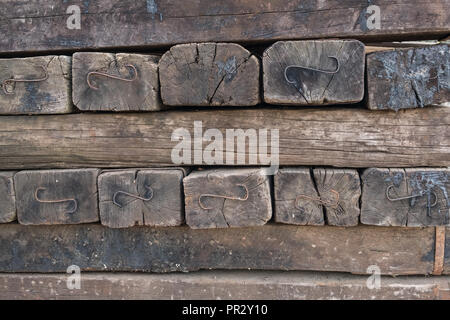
(56, 196)
(325, 136)
(209, 74)
(35, 85)
(221, 285)
(413, 197)
(314, 72)
(94, 247)
(42, 26)
(152, 197)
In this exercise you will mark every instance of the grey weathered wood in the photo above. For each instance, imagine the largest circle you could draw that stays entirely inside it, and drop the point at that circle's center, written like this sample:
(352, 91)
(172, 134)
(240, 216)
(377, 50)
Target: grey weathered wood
(74, 189)
(209, 74)
(408, 78)
(94, 247)
(205, 211)
(291, 207)
(221, 285)
(49, 96)
(43, 26)
(433, 208)
(141, 94)
(420, 184)
(162, 186)
(286, 83)
(7, 197)
(324, 136)
(340, 192)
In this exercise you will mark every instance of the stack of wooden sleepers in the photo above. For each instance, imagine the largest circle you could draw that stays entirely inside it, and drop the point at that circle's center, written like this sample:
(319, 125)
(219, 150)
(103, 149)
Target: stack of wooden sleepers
(239, 149)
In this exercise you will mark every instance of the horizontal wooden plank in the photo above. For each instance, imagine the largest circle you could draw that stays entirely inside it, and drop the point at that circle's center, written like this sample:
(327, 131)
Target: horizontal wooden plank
(52, 25)
(220, 285)
(325, 136)
(270, 247)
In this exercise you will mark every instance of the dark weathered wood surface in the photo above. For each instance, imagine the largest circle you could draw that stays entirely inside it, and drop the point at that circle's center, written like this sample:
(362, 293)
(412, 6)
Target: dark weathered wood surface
(408, 78)
(227, 198)
(209, 74)
(325, 136)
(339, 191)
(269, 247)
(7, 197)
(56, 196)
(50, 92)
(139, 93)
(221, 285)
(162, 188)
(288, 78)
(294, 191)
(413, 197)
(42, 26)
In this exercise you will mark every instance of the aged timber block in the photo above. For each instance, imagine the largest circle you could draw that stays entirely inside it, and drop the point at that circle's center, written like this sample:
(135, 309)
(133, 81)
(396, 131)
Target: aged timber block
(413, 197)
(314, 72)
(56, 196)
(340, 192)
(408, 78)
(209, 74)
(94, 247)
(151, 197)
(7, 197)
(115, 82)
(36, 85)
(227, 198)
(295, 198)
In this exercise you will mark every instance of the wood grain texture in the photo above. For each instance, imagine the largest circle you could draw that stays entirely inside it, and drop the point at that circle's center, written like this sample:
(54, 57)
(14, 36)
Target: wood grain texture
(408, 78)
(340, 192)
(227, 198)
(163, 188)
(52, 95)
(342, 137)
(56, 196)
(287, 79)
(221, 285)
(294, 190)
(209, 74)
(413, 197)
(7, 197)
(141, 93)
(271, 247)
(33, 26)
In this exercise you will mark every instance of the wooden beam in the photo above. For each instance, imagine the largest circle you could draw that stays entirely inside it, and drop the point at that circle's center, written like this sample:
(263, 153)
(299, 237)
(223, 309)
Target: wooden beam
(220, 285)
(314, 72)
(7, 197)
(57, 196)
(44, 26)
(151, 197)
(36, 85)
(93, 91)
(209, 74)
(408, 78)
(413, 197)
(326, 136)
(94, 247)
(227, 198)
